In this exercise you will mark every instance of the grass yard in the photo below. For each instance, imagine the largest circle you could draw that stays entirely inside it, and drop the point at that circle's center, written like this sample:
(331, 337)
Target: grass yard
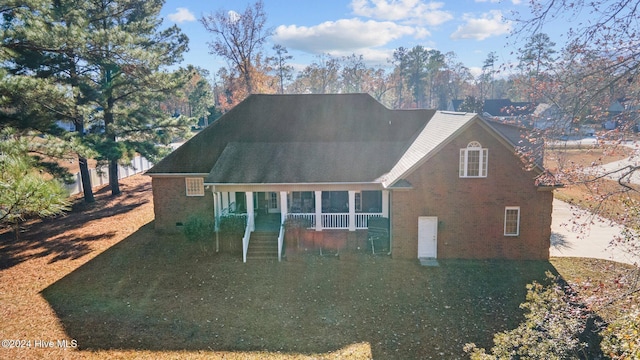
(102, 277)
(160, 293)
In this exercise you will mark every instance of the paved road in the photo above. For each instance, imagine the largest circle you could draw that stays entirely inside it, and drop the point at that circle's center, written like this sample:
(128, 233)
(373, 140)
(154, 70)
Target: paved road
(594, 242)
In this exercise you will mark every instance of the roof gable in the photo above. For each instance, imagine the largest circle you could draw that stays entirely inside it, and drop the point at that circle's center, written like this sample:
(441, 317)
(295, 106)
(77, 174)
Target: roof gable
(442, 127)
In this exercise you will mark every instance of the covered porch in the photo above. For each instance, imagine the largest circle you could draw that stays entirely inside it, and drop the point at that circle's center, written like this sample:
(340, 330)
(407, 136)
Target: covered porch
(329, 209)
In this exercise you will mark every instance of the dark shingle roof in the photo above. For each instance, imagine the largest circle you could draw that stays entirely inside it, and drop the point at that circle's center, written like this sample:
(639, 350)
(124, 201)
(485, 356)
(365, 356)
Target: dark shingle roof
(273, 163)
(326, 118)
(279, 139)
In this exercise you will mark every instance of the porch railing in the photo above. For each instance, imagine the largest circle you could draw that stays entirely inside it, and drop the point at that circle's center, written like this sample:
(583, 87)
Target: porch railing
(280, 242)
(310, 217)
(362, 219)
(230, 210)
(335, 221)
(245, 241)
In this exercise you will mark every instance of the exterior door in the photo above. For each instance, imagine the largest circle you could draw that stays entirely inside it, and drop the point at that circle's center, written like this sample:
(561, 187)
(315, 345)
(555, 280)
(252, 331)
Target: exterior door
(273, 202)
(428, 237)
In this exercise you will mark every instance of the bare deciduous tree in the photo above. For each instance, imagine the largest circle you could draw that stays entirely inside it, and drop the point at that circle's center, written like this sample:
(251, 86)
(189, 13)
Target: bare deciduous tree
(239, 38)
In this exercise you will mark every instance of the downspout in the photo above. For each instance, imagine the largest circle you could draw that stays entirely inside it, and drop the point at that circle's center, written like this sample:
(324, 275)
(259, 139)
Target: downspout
(390, 223)
(216, 220)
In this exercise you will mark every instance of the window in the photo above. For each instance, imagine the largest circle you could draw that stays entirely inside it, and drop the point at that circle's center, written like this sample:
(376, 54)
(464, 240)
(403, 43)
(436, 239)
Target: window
(473, 160)
(195, 186)
(512, 221)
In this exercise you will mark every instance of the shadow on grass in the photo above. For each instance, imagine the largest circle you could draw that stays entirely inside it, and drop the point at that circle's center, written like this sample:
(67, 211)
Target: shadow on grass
(45, 237)
(158, 292)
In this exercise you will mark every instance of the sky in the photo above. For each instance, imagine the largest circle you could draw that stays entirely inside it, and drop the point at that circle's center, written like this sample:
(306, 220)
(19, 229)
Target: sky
(372, 28)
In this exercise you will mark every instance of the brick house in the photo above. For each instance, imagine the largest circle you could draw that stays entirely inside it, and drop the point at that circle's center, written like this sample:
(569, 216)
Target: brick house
(450, 184)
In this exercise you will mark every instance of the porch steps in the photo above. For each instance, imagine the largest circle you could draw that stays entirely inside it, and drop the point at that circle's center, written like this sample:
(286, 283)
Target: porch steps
(263, 245)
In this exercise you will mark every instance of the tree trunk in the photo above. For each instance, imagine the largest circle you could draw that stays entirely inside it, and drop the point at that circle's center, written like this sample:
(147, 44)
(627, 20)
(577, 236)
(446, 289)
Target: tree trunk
(113, 177)
(86, 180)
(85, 177)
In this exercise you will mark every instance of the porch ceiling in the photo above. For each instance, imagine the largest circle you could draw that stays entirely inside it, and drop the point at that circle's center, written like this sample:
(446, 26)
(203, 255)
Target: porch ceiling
(304, 163)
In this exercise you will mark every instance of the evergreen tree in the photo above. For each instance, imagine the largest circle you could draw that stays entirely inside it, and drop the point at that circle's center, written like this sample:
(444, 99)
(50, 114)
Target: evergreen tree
(24, 191)
(41, 49)
(283, 71)
(130, 54)
(110, 58)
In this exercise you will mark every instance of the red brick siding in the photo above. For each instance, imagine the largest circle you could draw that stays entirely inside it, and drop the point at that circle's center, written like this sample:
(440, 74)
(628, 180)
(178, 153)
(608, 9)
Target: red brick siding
(172, 205)
(470, 211)
(333, 240)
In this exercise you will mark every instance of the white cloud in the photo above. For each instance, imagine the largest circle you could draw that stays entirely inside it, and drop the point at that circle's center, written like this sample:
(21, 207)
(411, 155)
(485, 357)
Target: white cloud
(181, 15)
(489, 24)
(405, 11)
(343, 36)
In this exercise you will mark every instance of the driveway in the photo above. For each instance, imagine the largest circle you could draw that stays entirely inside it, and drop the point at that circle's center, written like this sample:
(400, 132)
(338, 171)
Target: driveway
(592, 242)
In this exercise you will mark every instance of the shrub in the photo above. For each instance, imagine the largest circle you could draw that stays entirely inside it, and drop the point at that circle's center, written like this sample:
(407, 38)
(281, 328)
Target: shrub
(233, 225)
(199, 228)
(231, 230)
(553, 327)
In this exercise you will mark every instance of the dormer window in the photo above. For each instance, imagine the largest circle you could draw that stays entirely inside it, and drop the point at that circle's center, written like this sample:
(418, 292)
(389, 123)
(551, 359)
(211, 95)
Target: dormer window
(473, 161)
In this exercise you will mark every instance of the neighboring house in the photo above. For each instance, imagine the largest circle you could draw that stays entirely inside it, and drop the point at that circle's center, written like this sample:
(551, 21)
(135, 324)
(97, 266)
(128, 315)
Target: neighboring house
(502, 109)
(450, 183)
(547, 116)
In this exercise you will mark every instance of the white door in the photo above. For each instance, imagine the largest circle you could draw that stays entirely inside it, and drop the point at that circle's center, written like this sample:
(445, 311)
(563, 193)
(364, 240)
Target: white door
(427, 237)
(273, 202)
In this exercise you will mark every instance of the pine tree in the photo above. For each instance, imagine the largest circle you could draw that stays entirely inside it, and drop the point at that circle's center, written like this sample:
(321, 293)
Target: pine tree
(111, 58)
(24, 191)
(130, 54)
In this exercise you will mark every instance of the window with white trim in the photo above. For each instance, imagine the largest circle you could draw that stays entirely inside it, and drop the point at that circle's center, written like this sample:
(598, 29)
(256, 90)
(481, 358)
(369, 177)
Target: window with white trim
(195, 186)
(473, 161)
(512, 221)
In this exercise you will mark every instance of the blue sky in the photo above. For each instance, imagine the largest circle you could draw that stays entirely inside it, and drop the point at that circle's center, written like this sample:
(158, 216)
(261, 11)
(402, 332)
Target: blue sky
(372, 28)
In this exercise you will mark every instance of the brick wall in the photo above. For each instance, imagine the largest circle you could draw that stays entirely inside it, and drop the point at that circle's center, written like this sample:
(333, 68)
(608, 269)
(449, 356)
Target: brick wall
(171, 204)
(470, 211)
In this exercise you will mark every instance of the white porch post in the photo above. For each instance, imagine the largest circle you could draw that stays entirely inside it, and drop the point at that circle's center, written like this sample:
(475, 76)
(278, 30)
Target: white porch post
(318, 210)
(250, 214)
(283, 206)
(225, 200)
(385, 203)
(232, 200)
(218, 204)
(352, 210)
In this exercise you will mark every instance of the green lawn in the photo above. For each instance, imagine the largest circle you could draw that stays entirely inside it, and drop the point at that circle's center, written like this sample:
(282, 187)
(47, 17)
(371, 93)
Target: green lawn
(158, 292)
